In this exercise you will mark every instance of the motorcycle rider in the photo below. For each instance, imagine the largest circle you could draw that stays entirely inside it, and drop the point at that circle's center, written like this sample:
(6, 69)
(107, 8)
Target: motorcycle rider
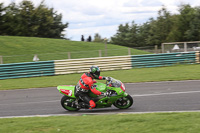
(86, 83)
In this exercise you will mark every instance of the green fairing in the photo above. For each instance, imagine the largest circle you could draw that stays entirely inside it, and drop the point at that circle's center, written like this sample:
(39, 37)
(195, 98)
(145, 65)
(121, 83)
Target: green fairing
(103, 88)
(100, 87)
(67, 87)
(107, 101)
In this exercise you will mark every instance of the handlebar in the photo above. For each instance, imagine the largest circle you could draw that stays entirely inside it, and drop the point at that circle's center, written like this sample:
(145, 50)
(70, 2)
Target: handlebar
(111, 93)
(108, 81)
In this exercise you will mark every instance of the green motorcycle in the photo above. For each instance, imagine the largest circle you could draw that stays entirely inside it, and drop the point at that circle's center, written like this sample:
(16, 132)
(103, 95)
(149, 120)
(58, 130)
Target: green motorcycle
(114, 88)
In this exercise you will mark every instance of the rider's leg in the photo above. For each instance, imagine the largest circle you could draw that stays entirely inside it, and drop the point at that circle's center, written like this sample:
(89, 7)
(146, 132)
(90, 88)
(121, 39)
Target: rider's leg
(86, 99)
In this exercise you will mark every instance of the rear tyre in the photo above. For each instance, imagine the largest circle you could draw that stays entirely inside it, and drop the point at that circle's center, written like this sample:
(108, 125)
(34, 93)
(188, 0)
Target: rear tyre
(66, 103)
(124, 102)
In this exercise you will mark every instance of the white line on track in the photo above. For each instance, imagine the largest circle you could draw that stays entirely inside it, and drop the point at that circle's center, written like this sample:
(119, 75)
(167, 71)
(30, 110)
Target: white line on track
(109, 113)
(160, 82)
(170, 93)
(32, 102)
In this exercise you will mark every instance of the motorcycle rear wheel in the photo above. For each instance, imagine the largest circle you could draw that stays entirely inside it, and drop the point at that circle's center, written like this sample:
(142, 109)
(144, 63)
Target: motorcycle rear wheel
(124, 102)
(66, 100)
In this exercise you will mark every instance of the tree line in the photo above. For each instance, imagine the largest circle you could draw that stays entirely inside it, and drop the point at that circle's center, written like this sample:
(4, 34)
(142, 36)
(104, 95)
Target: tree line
(167, 27)
(25, 19)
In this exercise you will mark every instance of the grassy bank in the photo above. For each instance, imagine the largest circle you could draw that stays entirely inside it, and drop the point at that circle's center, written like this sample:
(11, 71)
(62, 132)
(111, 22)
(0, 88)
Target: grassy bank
(22, 49)
(179, 72)
(121, 123)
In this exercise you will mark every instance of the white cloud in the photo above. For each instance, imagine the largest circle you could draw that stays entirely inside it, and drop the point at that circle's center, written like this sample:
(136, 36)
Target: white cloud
(104, 31)
(104, 16)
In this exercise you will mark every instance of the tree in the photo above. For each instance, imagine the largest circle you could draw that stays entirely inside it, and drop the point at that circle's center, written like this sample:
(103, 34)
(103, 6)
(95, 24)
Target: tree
(174, 34)
(97, 38)
(143, 34)
(11, 20)
(27, 20)
(153, 32)
(184, 26)
(153, 37)
(129, 35)
(120, 38)
(50, 24)
(1, 17)
(160, 28)
(187, 14)
(193, 33)
(132, 35)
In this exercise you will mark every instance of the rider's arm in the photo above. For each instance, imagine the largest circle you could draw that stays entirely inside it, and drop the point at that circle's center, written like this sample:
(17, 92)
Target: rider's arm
(93, 89)
(102, 77)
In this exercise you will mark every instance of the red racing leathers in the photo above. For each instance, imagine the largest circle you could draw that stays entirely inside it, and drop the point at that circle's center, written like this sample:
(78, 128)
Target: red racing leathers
(86, 83)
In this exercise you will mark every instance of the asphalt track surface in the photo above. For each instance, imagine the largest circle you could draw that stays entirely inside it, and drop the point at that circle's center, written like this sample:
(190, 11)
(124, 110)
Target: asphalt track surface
(148, 97)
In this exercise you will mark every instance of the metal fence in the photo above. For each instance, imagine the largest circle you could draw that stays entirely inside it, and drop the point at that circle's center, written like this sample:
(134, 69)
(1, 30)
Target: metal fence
(180, 47)
(152, 49)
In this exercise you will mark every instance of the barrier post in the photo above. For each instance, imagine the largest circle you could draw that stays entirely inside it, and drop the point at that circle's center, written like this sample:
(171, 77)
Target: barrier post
(197, 56)
(129, 51)
(105, 39)
(185, 47)
(99, 53)
(1, 59)
(162, 46)
(69, 55)
(156, 49)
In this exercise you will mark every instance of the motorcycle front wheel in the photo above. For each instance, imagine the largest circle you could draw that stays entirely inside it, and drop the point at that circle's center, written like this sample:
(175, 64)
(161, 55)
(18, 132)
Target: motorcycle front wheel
(124, 102)
(66, 103)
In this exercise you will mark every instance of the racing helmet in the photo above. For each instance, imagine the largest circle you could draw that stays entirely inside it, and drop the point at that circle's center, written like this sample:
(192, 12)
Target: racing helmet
(95, 71)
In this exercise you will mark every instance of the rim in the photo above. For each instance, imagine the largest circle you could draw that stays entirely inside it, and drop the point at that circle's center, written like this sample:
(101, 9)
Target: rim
(123, 103)
(68, 107)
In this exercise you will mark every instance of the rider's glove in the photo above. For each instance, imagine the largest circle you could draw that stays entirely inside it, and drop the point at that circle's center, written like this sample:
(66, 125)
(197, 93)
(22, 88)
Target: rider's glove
(108, 78)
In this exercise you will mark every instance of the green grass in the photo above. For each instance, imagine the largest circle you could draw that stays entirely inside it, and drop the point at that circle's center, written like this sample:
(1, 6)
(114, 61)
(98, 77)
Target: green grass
(22, 49)
(179, 72)
(121, 123)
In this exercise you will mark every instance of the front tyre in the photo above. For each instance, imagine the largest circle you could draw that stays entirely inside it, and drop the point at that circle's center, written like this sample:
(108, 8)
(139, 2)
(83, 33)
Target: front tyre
(66, 103)
(124, 102)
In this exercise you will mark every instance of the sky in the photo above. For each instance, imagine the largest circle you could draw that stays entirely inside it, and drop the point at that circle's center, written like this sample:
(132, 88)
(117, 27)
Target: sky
(87, 17)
